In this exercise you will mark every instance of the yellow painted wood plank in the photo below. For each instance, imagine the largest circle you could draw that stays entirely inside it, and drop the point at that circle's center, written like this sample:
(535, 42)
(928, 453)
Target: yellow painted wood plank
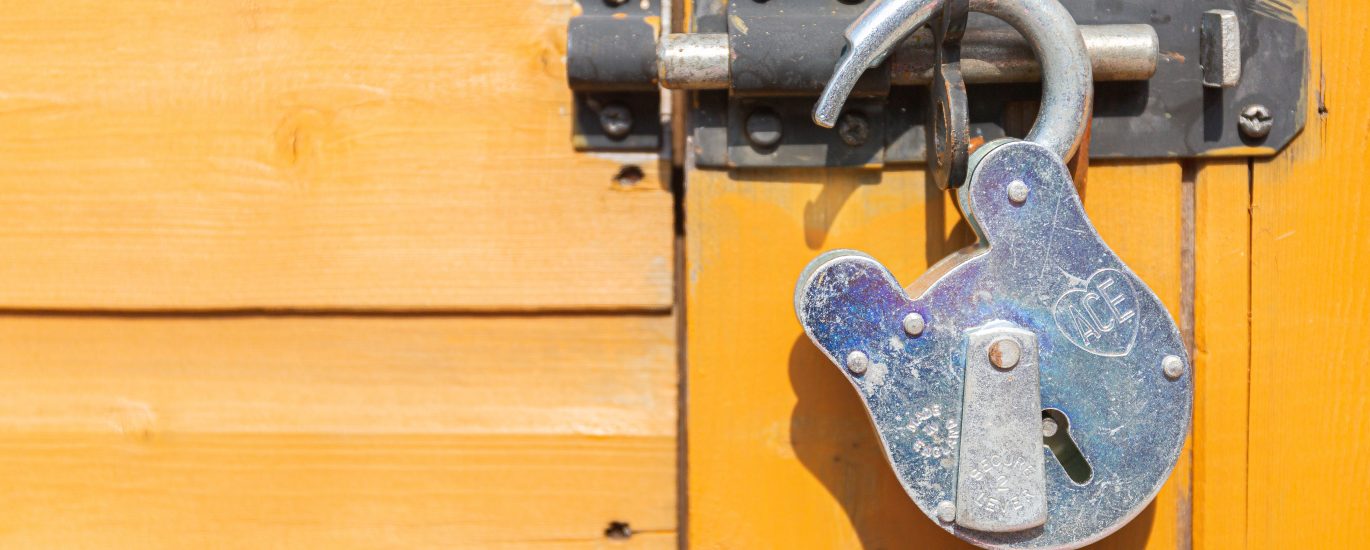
(311, 491)
(310, 154)
(781, 453)
(1310, 299)
(336, 432)
(1137, 208)
(1222, 338)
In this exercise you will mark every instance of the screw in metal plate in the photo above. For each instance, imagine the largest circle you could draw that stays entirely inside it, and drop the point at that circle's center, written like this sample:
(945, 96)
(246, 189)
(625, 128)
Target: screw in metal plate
(615, 3)
(946, 511)
(1049, 427)
(764, 128)
(1173, 367)
(1004, 353)
(1256, 121)
(616, 120)
(1017, 192)
(854, 129)
(857, 362)
(914, 324)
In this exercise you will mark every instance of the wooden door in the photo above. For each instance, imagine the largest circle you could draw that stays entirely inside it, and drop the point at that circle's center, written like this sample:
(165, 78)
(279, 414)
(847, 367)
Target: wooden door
(322, 274)
(328, 274)
(1265, 263)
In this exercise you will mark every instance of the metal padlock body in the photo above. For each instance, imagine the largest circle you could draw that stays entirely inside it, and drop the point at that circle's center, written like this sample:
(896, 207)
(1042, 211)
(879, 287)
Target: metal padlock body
(1038, 263)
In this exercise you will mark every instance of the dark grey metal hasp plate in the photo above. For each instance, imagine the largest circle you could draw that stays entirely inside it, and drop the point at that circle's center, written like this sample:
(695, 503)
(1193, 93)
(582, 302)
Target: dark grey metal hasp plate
(780, 53)
(1172, 115)
(611, 66)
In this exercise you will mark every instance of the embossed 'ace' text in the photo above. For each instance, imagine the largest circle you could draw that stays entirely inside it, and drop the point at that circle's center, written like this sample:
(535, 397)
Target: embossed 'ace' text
(1101, 316)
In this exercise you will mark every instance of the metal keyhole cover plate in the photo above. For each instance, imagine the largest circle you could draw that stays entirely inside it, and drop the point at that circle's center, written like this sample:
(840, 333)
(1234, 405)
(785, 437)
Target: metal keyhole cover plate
(1102, 338)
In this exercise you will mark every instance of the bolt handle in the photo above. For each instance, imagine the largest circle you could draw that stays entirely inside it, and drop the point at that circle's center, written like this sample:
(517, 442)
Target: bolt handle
(1067, 74)
(870, 39)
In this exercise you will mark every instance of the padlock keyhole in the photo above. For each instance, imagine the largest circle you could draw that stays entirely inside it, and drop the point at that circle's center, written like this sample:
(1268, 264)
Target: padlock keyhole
(1056, 436)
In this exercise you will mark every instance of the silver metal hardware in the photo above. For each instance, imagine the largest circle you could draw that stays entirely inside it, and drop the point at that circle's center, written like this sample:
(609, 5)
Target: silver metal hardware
(1049, 427)
(694, 61)
(1173, 367)
(948, 131)
(616, 120)
(1004, 353)
(913, 324)
(1067, 83)
(1001, 480)
(1100, 333)
(749, 54)
(1117, 53)
(1221, 49)
(1256, 122)
(857, 363)
(946, 511)
(1017, 191)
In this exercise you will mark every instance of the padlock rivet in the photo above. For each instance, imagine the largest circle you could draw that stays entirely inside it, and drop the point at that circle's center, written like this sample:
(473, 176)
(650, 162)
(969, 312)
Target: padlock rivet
(1173, 367)
(946, 511)
(1017, 192)
(914, 324)
(857, 362)
(1049, 427)
(1004, 353)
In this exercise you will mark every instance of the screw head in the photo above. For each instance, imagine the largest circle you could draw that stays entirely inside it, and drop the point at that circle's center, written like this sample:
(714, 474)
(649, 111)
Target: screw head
(857, 362)
(615, 3)
(1017, 192)
(764, 128)
(1173, 367)
(946, 511)
(914, 324)
(1049, 427)
(1255, 121)
(616, 120)
(854, 129)
(1004, 353)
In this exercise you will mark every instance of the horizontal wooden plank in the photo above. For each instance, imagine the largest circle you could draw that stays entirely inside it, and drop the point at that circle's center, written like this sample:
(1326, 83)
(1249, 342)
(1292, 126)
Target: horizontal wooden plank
(305, 432)
(310, 154)
(289, 492)
(537, 375)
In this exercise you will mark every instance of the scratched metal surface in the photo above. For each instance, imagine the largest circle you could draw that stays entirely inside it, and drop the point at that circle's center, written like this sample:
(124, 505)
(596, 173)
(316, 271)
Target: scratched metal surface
(1102, 335)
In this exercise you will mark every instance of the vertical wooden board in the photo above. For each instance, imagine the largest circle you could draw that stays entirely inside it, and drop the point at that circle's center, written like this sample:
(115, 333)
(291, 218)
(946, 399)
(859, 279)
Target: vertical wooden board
(1136, 206)
(1222, 306)
(780, 451)
(337, 432)
(1310, 300)
(310, 154)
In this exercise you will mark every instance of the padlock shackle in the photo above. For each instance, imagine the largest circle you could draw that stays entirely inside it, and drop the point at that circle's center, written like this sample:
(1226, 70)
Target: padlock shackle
(1067, 75)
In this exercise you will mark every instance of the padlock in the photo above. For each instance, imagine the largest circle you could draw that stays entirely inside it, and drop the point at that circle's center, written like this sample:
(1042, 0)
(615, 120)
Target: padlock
(1030, 391)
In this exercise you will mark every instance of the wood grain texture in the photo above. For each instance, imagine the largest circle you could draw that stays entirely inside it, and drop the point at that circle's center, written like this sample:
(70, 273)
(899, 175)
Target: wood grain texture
(1310, 299)
(336, 432)
(1222, 354)
(781, 453)
(310, 154)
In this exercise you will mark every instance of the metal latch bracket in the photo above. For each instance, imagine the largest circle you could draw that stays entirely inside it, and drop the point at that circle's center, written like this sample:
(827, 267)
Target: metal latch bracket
(1230, 79)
